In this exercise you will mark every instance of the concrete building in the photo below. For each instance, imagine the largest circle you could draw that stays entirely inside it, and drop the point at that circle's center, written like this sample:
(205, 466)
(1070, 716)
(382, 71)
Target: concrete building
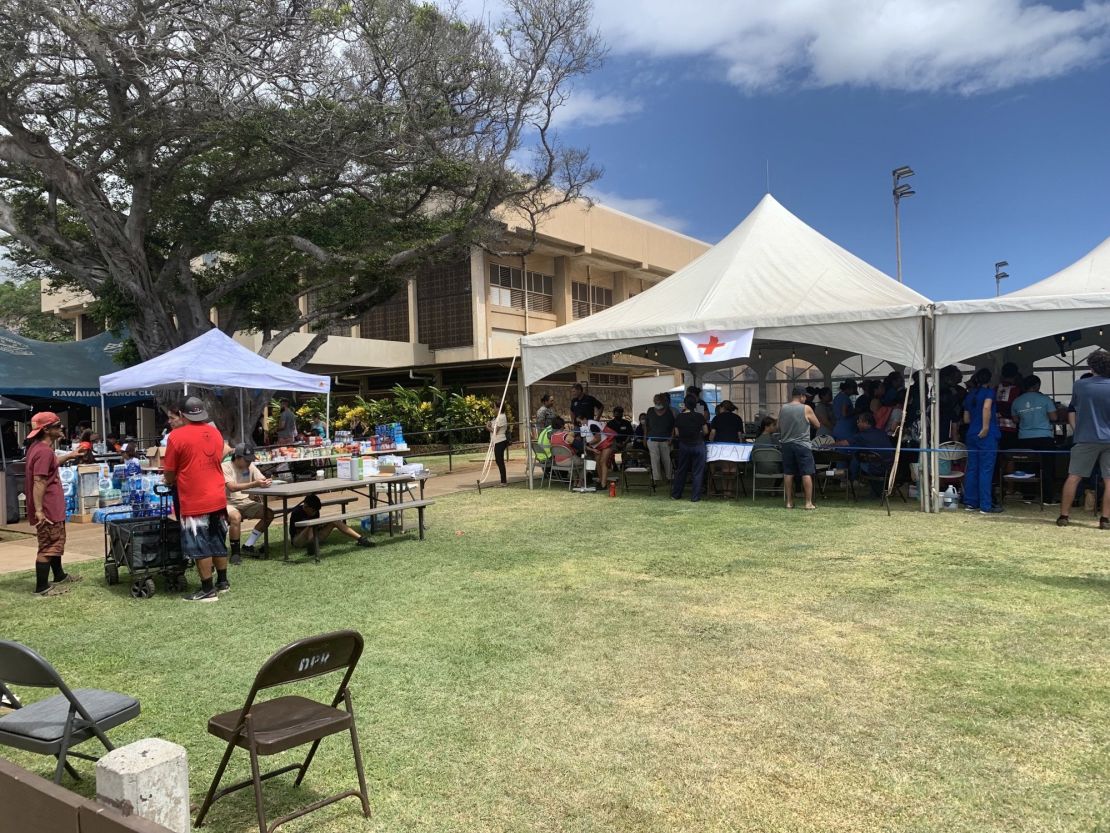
(459, 324)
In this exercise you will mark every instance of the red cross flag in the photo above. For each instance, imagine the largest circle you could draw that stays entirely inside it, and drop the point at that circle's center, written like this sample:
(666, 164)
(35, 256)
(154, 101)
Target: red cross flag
(717, 345)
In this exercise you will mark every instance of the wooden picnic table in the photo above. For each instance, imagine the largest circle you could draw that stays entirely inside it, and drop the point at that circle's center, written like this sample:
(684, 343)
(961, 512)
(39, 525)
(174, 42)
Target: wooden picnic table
(396, 486)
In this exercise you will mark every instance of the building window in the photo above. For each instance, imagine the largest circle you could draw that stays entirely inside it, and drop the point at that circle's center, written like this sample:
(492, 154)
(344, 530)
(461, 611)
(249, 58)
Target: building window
(509, 287)
(388, 321)
(444, 309)
(586, 299)
(337, 327)
(611, 380)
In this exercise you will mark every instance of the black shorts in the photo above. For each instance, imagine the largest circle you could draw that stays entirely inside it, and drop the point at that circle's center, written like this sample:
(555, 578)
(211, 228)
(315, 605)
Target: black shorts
(204, 536)
(797, 459)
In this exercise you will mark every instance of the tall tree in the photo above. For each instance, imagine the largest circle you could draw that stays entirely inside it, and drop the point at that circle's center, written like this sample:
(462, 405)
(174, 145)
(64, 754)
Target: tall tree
(21, 311)
(316, 146)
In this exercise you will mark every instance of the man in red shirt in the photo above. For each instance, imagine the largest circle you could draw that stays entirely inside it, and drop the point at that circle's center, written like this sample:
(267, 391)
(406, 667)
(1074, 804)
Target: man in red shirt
(46, 506)
(193, 464)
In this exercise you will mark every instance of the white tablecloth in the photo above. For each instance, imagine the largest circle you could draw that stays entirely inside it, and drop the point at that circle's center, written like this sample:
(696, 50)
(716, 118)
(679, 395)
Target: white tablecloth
(728, 452)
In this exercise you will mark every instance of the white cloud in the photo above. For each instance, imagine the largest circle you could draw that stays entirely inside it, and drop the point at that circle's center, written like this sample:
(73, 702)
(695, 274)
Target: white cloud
(966, 46)
(645, 208)
(587, 109)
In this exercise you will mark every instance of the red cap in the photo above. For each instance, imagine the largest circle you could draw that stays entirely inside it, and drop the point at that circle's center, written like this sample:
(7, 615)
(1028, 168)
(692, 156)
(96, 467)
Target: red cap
(41, 420)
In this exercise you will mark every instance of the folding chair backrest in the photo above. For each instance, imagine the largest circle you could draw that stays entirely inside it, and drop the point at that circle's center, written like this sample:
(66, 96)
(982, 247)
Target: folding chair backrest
(19, 665)
(1026, 457)
(952, 451)
(874, 457)
(313, 656)
(767, 460)
(562, 455)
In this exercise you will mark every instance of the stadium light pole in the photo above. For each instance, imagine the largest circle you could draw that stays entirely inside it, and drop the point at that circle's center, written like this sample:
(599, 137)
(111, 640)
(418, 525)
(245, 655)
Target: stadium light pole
(999, 276)
(901, 190)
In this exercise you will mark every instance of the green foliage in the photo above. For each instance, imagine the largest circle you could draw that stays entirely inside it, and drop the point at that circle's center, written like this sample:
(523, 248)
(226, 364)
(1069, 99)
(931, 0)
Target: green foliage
(21, 313)
(427, 415)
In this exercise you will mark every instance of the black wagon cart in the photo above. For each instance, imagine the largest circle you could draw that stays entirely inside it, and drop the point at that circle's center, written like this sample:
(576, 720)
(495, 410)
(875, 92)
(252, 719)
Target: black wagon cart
(146, 547)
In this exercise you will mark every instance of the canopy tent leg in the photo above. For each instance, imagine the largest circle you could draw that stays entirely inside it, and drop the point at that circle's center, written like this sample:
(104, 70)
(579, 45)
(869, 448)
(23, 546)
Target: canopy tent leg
(242, 419)
(104, 420)
(327, 415)
(525, 419)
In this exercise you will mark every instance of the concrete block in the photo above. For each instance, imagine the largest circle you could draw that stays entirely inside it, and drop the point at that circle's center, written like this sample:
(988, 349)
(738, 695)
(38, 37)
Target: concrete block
(148, 778)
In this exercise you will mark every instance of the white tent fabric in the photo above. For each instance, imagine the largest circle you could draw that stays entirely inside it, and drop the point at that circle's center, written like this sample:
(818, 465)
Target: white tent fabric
(213, 360)
(773, 273)
(1074, 298)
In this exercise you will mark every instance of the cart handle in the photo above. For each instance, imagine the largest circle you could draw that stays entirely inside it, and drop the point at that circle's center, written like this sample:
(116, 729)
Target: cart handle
(161, 489)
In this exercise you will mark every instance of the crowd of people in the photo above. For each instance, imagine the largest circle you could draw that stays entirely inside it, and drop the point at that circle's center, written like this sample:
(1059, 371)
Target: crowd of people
(1014, 416)
(862, 422)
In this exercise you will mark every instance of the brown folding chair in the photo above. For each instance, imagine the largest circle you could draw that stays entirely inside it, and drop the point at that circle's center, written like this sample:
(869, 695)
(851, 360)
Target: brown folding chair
(267, 727)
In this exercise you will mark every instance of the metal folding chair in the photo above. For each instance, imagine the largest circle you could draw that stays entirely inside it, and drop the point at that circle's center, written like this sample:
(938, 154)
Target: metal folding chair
(1025, 461)
(267, 727)
(541, 456)
(766, 464)
(55, 725)
(637, 463)
(949, 456)
(875, 468)
(566, 464)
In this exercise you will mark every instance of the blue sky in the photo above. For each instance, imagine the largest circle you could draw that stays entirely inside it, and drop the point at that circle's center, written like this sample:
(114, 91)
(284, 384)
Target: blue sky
(1000, 106)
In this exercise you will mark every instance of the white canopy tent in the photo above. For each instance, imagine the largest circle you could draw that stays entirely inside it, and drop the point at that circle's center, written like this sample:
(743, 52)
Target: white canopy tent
(214, 360)
(772, 273)
(1074, 298)
(1061, 311)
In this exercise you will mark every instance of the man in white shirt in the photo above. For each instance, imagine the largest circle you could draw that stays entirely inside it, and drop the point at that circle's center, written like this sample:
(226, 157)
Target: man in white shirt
(241, 474)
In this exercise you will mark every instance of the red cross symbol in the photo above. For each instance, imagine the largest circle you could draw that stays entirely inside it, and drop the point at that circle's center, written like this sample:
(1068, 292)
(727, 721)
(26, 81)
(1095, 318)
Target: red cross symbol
(711, 345)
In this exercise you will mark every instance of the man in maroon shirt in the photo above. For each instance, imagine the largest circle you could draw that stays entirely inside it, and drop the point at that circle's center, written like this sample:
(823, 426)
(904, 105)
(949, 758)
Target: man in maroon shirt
(193, 464)
(46, 506)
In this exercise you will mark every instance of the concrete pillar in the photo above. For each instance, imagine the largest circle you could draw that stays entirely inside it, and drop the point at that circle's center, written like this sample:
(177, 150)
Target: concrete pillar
(146, 426)
(410, 288)
(561, 292)
(148, 778)
(479, 302)
(622, 285)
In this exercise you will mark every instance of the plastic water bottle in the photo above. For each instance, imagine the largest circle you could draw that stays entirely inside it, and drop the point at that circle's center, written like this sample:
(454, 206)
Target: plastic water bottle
(951, 498)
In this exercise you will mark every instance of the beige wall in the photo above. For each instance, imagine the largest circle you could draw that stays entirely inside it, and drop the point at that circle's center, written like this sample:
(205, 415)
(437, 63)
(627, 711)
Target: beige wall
(578, 243)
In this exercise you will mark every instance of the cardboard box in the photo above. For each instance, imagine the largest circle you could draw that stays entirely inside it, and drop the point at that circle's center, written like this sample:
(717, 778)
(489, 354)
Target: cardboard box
(349, 468)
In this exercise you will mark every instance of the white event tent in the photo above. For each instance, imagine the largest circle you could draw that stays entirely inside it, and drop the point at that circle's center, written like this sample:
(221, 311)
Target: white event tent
(214, 360)
(772, 273)
(1074, 298)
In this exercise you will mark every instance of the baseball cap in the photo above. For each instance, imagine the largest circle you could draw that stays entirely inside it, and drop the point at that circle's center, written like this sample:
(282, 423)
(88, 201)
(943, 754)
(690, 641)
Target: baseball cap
(42, 420)
(194, 410)
(243, 450)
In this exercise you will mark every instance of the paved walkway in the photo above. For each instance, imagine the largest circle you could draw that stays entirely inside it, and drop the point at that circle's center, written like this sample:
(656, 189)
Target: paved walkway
(85, 542)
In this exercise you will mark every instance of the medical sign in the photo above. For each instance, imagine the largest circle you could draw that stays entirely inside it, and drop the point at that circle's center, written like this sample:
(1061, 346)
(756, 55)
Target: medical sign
(717, 345)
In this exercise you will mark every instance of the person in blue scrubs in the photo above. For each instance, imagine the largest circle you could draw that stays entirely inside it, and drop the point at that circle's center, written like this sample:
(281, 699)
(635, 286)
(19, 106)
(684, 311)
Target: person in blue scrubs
(983, 435)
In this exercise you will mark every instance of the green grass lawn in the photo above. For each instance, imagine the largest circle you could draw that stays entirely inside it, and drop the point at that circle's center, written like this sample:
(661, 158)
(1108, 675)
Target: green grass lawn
(560, 662)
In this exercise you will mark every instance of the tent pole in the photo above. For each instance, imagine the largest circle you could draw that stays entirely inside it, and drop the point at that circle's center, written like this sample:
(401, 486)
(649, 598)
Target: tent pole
(327, 416)
(926, 462)
(104, 420)
(934, 410)
(525, 417)
(242, 423)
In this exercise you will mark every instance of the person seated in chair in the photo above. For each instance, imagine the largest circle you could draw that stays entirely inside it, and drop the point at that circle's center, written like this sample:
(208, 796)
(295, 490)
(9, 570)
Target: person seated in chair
(309, 510)
(768, 432)
(599, 441)
(869, 438)
(241, 474)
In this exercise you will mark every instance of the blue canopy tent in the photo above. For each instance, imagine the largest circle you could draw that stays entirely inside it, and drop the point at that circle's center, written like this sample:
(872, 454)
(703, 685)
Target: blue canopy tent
(66, 371)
